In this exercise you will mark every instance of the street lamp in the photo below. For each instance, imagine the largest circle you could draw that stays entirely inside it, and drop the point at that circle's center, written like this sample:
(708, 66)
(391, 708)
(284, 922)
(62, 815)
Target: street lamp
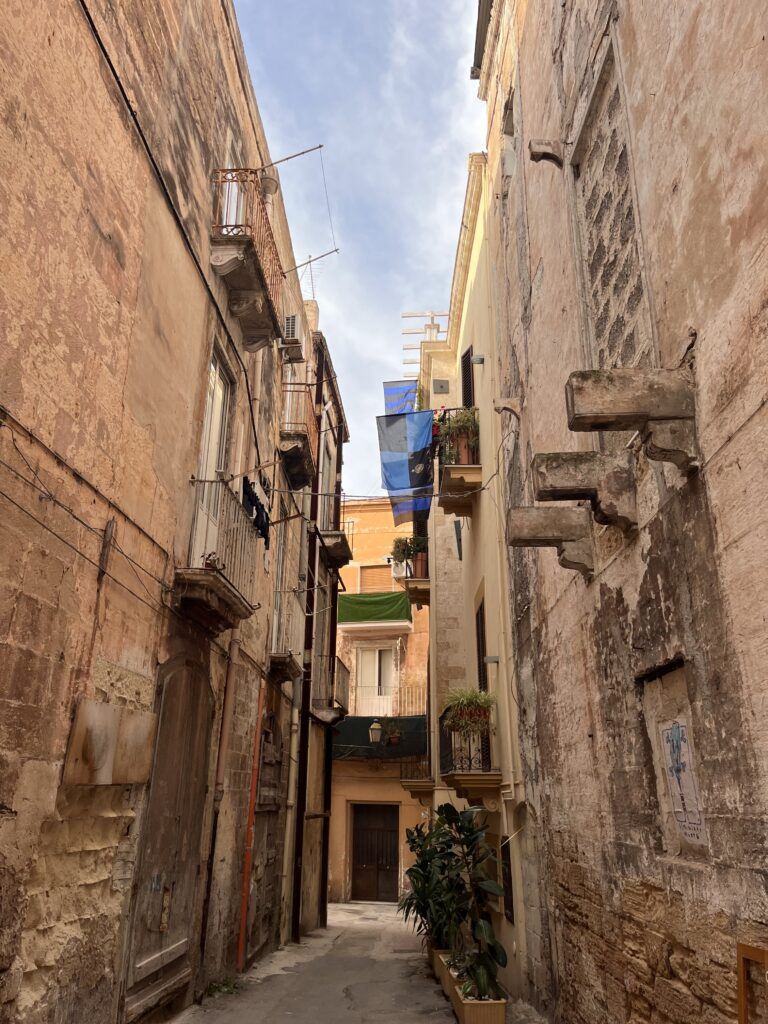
(374, 731)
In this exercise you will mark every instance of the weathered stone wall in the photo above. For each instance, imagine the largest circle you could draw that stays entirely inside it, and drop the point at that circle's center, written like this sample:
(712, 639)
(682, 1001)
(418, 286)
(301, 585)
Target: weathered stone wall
(645, 248)
(109, 311)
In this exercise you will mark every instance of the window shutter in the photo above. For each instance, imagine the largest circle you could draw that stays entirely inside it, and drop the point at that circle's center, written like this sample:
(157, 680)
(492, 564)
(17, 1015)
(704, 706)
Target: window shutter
(375, 579)
(467, 383)
(482, 668)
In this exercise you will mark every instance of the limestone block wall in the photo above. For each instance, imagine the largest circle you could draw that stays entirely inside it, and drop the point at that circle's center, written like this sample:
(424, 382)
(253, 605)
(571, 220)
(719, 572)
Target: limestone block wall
(110, 313)
(641, 889)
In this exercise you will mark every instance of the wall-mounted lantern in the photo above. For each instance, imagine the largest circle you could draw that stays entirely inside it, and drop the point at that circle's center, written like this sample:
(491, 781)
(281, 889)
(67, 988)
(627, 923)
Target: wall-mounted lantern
(374, 731)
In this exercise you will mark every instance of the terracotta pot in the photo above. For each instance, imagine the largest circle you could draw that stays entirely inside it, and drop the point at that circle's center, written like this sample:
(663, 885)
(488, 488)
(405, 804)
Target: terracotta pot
(463, 451)
(420, 565)
(393, 739)
(470, 1011)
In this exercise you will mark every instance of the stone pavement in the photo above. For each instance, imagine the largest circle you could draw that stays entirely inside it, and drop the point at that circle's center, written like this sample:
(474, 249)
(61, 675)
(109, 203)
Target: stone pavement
(366, 968)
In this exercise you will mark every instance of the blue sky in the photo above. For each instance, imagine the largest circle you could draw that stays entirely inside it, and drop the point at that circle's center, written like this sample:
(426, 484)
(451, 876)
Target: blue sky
(384, 84)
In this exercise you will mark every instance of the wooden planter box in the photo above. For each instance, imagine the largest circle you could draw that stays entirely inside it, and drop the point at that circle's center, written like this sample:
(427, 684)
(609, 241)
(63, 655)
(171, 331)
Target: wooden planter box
(438, 965)
(470, 1011)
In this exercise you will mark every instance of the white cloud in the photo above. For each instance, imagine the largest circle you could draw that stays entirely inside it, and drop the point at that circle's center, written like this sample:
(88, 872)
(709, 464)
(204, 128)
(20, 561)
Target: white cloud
(389, 95)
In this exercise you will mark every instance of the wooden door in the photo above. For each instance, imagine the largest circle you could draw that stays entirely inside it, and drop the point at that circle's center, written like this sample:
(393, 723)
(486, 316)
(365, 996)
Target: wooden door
(375, 861)
(164, 934)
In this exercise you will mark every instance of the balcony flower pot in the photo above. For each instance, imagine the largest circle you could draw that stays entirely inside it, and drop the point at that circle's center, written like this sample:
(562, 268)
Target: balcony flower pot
(460, 434)
(468, 712)
(420, 565)
(469, 1011)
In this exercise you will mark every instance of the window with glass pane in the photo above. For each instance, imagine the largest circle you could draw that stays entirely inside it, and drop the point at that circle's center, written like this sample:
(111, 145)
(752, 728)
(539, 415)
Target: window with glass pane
(386, 671)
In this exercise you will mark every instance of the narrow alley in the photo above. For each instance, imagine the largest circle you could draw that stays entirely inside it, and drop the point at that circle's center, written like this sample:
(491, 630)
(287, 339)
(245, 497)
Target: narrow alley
(367, 967)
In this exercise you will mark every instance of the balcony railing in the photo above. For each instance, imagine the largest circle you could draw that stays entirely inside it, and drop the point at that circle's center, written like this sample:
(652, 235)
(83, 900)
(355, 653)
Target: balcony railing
(458, 437)
(330, 688)
(239, 212)
(299, 433)
(341, 684)
(464, 753)
(404, 701)
(218, 586)
(416, 769)
(224, 538)
(458, 448)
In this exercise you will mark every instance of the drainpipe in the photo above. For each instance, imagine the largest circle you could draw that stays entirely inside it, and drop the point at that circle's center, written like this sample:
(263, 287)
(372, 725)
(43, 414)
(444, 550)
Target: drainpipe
(227, 715)
(306, 680)
(289, 819)
(328, 778)
(250, 827)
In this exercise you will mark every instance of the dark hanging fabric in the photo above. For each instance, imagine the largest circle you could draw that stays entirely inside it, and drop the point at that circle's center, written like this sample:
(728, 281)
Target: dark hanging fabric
(256, 510)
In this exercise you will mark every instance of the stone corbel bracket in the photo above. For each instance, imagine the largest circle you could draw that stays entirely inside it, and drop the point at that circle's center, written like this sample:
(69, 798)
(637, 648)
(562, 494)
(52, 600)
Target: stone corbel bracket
(546, 149)
(608, 481)
(567, 529)
(660, 404)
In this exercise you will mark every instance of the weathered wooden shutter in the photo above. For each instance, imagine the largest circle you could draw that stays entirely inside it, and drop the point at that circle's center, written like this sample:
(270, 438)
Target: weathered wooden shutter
(375, 579)
(482, 668)
(467, 383)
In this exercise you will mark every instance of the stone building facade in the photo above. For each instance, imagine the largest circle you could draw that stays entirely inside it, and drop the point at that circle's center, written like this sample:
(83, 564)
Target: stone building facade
(163, 390)
(387, 663)
(627, 309)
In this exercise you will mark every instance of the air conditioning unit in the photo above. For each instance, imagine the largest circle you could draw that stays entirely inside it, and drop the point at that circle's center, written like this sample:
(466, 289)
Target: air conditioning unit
(293, 339)
(399, 570)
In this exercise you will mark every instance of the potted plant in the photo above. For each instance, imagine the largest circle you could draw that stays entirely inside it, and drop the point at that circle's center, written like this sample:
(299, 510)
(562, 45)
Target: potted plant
(390, 732)
(437, 901)
(401, 549)
(419, 547)
(459, 435)
(468, 712)
(473, 987)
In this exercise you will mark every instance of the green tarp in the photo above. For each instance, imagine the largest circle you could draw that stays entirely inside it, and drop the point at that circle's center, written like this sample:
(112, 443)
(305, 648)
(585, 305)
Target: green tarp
(392, 607)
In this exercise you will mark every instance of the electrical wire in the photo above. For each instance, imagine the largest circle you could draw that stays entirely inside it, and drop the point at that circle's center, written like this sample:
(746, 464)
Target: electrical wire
(327, 200)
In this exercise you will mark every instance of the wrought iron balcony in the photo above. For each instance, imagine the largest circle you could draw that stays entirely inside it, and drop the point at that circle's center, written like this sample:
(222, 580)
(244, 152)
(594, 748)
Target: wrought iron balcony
(467, 766)
(415, 572)
(458, 450)
(298, 434)
(417, 777)
(218, 587)
(330, 690)
(244, 253)
(336, 548)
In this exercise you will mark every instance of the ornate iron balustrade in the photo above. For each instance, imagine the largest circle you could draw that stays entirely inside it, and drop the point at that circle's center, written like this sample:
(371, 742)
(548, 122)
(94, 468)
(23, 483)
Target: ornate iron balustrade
(224, 539)
(464, 752)
(239, 211)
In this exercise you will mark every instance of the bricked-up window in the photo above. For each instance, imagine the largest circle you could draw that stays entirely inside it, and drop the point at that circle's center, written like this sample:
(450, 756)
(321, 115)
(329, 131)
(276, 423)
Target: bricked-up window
(506, 880)
(482, 668)
(618, 310)
(752, 974)
(467, 382)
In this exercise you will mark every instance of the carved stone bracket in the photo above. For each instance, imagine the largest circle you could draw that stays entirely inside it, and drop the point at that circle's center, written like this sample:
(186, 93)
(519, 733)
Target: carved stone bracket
(608, 481)
(229, 257)
(567, 529)
(546, 149)
(658, 403)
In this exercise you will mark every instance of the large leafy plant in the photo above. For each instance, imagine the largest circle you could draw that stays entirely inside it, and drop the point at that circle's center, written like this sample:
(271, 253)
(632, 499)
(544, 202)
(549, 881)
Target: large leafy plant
(437, 902)
(478, 955)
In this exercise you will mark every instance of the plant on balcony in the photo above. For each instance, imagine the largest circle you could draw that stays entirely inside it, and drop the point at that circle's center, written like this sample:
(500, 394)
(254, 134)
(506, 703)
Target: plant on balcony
(437, 901)
(459, 436)
(468, 712)
(402, 549)
(391, 733)
(477, 952)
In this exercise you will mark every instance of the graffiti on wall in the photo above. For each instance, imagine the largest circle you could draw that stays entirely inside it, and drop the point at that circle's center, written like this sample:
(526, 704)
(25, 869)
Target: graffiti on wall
(682, 782)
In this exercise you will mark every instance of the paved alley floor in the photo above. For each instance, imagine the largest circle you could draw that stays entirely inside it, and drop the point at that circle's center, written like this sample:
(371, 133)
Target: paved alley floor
(366, 968)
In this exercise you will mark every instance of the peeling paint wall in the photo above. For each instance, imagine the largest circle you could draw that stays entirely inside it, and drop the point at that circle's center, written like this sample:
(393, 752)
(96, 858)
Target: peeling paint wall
(645, 248)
